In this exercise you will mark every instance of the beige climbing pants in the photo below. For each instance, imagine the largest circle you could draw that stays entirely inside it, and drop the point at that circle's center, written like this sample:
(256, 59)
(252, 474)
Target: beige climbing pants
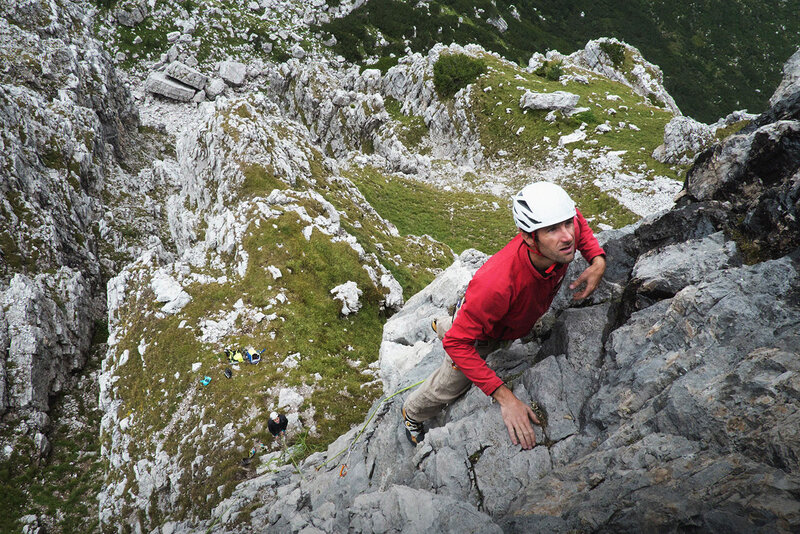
(447, 383)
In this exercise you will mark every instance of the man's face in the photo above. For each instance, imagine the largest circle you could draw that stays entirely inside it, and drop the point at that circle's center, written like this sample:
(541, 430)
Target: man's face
(557, 242)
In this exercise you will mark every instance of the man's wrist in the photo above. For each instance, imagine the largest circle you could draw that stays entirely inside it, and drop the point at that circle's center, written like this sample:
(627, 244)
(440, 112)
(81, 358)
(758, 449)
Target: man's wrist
(502, 394)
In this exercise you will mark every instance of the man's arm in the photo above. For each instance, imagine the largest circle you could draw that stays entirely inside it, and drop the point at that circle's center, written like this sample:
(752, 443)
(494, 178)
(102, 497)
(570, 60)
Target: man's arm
(590, 249)
(591, 276)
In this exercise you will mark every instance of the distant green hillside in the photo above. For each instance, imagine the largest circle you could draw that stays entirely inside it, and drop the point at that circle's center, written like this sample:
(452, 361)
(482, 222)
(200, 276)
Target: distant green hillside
(717, 56)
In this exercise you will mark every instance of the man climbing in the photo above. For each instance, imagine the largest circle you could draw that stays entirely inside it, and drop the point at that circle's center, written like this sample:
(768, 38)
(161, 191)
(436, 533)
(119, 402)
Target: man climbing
(277, 425)
(504, 299)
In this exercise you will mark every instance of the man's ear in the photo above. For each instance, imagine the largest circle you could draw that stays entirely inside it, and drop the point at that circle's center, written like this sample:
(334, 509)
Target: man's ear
(529, 238)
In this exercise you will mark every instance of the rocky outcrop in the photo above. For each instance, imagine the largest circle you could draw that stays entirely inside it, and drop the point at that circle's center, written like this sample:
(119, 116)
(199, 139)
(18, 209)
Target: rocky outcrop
(65, 118)
(684, 138)
(644, 77)
(756, 171)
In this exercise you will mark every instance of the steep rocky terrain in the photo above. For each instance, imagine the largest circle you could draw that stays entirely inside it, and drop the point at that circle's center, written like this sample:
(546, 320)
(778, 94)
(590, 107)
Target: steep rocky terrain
(293, 203)
(670, 398)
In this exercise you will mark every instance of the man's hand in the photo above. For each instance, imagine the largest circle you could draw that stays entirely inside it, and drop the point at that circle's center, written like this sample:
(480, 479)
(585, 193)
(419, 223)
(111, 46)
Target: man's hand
(591, 277)
(517, 416)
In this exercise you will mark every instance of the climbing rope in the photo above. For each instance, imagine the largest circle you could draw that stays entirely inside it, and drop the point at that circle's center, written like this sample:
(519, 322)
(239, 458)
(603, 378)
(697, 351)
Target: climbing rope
(349, 448)
(291, 457)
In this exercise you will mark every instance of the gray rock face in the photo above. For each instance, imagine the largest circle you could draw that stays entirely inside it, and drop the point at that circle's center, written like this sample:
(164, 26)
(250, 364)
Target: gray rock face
(402, 509)
(65, 117)
(756, 171)
(35, 325)
(667, 270)
(790, 83)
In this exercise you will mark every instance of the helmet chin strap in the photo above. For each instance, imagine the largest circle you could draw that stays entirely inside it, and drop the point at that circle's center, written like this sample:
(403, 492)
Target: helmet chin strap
(536, 251)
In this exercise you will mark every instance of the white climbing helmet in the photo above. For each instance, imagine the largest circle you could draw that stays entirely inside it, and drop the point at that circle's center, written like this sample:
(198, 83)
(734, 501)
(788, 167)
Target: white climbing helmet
(273, 415)
(541, 204)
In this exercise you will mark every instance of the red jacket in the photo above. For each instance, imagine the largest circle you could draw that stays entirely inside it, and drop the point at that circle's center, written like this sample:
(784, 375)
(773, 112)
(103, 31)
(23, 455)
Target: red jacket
(504, 300)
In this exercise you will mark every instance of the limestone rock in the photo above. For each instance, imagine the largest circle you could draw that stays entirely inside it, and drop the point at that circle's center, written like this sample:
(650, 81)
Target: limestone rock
(557, 100)
(215, 87)
(349, 295)
(187, 75)
(131, 12)
(684, 138)
(233, 72)
(402, 509)
(160, 84)
(169, 291)
(665, 271)
(751, 170)
(644, 78)
(790, 83)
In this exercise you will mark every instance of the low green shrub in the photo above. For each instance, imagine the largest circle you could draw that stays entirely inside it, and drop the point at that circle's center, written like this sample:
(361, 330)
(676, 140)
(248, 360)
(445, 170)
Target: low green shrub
(552, 70)
(454, 72)
(615, 52)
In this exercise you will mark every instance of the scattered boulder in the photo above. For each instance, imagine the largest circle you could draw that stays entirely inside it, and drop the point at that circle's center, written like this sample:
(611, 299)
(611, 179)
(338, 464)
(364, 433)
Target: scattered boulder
(169, 290)
(557, 100)
(233, 72)
(214, 88)
(684, 138)
(297, 52)
(130, 12)
(348, 294)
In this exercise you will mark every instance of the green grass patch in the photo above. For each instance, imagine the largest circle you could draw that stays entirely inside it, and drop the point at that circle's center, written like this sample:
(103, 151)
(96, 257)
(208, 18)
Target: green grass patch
(258, 181)
(615, 52)
(459, 219)
(729, 130)
(526, 135)
(383, 64)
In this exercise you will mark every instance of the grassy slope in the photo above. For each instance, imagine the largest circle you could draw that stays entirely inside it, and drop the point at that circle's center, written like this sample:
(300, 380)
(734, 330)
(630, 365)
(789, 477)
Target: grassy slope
(717, 56)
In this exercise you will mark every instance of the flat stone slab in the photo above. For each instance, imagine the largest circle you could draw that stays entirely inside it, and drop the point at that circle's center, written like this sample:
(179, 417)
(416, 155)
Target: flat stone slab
(186, 74)
(160, 84)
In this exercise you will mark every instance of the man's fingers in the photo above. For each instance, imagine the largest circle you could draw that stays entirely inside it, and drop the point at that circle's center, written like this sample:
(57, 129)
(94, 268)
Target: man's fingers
(512, 433)
(578, 281)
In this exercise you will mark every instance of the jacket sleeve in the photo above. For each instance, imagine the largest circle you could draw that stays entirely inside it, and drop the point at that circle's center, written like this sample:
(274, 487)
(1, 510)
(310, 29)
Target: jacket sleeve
(586, 242)
(482, 308)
